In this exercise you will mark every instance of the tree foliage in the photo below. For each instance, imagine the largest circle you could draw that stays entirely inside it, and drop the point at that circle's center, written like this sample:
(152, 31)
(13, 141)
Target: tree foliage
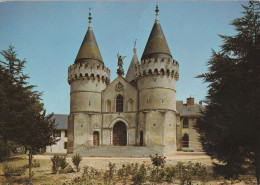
(229, 131)
(22, 115)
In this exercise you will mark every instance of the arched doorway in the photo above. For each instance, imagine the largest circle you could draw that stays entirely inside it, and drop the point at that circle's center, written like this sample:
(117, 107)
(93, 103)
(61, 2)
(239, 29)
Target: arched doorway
(119, 134)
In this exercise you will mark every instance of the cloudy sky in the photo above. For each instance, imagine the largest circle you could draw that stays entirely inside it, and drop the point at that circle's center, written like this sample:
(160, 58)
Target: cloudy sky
(49, 34)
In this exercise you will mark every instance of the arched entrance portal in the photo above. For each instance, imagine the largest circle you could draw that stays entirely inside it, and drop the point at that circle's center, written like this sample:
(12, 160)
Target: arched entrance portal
(119, 134)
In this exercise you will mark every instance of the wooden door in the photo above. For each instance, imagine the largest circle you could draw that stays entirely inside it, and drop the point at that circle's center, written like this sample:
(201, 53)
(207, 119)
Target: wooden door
(119, 134)
(96, 138)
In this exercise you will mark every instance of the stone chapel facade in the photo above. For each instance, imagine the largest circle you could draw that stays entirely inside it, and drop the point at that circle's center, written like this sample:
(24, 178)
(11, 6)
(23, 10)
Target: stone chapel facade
(134, 115)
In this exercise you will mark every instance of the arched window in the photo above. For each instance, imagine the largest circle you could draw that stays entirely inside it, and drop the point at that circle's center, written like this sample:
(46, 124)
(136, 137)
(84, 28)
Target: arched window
(185, 123)
(130, 105)
(119, 103)
(108, 106)
(185, 141)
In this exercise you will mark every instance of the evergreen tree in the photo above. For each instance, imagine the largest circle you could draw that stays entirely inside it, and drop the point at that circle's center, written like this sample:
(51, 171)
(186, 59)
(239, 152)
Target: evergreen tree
(23, 120)
(230, 131)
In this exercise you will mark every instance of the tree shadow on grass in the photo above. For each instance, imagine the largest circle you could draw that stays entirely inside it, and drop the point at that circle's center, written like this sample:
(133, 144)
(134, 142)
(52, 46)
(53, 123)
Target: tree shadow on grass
(14, 158)
(24, 180)
(16, 180)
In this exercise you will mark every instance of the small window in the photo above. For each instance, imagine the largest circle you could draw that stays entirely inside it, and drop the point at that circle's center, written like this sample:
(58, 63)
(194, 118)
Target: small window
(57, 133)
(147, 100)
(185, 123)
(162, 100)
(66, 133)
(119, 103)
(65, 145)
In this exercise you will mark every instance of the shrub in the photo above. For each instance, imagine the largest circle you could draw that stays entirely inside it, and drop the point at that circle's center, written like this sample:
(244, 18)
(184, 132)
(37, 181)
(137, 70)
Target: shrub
(157, 175)
(187, 172)
(76, 160)
(158, 160)
(68, 169)
(63, 163)
(12, 171)
(109, 174)
(90, 176)
(170, 174)
(58, 163)
(140, 175)
(55, 163)
(124, 173)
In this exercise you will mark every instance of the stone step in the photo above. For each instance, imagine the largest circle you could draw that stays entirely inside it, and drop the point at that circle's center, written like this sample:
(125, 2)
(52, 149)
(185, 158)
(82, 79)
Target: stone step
(119, 151)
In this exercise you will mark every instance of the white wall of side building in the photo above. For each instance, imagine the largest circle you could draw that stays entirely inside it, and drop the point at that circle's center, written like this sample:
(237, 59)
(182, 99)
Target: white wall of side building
(59, 147)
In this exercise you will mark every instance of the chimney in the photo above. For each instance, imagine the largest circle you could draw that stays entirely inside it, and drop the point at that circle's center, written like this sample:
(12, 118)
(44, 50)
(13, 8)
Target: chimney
(200, 102)
(190, 101)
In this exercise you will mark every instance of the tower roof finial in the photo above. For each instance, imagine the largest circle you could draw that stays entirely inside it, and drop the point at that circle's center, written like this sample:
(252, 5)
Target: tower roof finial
(89, 48)
(157, 11)
(89, 17)
(135, 47)
(156, 46)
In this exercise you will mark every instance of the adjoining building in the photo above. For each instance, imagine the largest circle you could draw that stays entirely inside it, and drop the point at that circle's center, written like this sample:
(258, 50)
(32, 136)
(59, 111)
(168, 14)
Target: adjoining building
(61, 133)
(187, 136)
(134, 115)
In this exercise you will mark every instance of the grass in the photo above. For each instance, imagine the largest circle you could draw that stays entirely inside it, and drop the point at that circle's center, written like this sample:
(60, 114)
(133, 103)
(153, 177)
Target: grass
(43, 174)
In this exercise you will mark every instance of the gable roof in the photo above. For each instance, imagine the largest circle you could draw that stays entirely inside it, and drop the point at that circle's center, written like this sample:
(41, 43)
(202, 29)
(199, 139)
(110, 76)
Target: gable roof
(61, 120)
(193, 110)
(118, 78)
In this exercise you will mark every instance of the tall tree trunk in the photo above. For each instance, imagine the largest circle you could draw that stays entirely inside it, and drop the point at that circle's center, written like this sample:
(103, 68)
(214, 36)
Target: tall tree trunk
(30, 166)
(257, 159)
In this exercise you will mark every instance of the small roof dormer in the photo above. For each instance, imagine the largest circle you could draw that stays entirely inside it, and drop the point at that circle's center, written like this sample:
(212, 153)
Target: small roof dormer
(89, 48)
(156, 45)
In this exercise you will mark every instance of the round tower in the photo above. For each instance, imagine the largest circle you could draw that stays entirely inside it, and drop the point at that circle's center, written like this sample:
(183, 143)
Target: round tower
(87, 77)
(156, 77)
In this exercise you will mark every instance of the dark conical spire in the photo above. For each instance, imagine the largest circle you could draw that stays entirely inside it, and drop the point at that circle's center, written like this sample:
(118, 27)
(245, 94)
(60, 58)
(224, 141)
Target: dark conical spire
(130, 75)
(89, 47)
(156, 44)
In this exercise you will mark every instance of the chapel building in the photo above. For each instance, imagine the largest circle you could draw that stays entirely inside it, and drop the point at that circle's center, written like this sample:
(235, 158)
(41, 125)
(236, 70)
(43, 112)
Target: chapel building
(134, 115)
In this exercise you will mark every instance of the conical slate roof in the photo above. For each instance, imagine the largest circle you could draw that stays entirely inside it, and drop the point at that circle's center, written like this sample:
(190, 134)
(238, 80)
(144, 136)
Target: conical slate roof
(89, 47)
(131, 70)
(156, 43)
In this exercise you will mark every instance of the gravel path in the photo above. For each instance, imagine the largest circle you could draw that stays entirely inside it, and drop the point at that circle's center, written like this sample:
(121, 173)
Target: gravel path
(102, 162)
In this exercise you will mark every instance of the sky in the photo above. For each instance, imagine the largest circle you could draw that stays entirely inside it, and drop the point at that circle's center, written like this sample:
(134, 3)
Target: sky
(49, 34)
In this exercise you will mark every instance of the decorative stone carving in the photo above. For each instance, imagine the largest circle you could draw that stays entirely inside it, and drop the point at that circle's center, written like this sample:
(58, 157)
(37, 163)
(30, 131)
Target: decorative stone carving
(119, 87)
